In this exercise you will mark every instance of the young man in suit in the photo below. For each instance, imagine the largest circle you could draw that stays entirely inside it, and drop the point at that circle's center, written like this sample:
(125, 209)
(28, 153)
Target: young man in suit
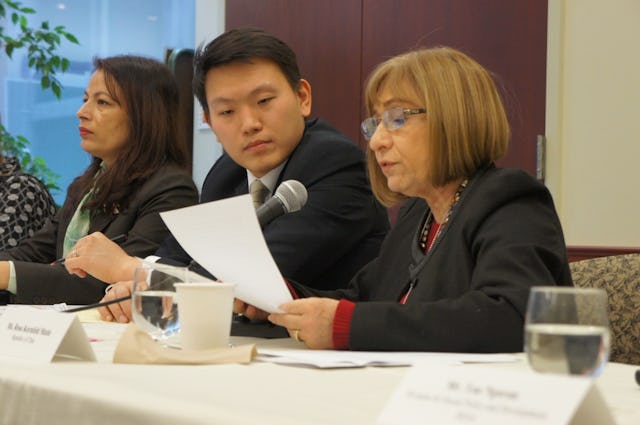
(257, 104)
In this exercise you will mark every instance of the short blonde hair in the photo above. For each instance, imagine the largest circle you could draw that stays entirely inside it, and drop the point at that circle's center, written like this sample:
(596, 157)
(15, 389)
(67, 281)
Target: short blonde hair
(468, 126)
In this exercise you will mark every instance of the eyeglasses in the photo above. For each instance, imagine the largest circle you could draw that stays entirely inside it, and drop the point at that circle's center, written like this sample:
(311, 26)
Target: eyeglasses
(393, 119)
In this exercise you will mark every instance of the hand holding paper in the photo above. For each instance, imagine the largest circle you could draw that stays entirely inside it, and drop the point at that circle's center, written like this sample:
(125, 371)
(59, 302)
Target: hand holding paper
(225, 238)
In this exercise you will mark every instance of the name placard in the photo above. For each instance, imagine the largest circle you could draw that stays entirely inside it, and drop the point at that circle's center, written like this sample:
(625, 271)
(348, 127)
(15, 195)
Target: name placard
(466, 394)
(42, 335)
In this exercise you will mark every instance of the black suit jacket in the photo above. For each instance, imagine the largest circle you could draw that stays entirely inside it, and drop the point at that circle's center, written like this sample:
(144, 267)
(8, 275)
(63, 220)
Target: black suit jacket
(339, 229)
(38, 282)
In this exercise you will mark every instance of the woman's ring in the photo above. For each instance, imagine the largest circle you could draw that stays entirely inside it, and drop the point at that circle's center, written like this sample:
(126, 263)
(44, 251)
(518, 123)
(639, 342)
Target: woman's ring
(295, 335)
(75, 252)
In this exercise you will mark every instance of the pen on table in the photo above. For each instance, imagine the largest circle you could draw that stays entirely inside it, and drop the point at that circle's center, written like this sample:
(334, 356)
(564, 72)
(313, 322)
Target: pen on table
(96, 305)
(116, 239)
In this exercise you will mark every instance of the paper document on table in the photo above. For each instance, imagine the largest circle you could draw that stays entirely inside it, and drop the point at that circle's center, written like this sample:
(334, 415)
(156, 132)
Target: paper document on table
(341, 359)
(225, 238)
(55, 307)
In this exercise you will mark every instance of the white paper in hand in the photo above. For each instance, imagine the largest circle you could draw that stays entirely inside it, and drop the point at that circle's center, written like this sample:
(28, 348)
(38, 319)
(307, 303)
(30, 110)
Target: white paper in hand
(225, 238)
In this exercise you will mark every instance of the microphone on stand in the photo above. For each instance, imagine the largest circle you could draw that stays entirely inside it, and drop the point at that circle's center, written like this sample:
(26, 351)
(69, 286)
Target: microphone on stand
(290, 196)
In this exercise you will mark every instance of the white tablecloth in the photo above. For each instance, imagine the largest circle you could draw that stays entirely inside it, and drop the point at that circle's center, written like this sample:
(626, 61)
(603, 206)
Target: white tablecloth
(259, 393)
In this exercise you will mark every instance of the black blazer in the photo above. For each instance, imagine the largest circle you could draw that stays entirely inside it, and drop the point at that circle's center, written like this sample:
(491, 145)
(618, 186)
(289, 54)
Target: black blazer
(471, 288)
(339, 229)
(38, 282)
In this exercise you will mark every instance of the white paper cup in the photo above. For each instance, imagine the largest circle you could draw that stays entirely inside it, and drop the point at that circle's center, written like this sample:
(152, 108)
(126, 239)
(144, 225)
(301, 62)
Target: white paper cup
(205, 311)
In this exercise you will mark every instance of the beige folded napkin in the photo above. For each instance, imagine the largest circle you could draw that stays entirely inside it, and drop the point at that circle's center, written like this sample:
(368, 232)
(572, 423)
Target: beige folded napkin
(136, 346)
(89, 316)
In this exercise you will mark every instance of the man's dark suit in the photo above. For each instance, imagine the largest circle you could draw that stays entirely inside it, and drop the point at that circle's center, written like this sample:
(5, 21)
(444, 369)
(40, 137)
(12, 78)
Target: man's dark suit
(41, 283)
(339, 229)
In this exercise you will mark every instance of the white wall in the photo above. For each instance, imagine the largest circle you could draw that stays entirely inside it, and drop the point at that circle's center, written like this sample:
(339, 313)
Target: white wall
(593, 119)
(209, 24)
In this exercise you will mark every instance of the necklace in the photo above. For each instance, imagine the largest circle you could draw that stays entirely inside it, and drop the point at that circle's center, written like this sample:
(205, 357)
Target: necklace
(424, 234)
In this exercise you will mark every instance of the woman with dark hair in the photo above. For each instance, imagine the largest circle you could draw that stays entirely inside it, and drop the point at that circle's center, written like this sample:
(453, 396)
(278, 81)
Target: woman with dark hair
(129, 123)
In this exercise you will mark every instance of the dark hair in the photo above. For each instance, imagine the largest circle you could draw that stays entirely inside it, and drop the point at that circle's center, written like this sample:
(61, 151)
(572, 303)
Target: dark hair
(242, 45)
(148, 92)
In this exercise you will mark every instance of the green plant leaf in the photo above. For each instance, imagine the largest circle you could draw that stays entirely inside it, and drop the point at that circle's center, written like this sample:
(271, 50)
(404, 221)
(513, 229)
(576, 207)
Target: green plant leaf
(55, 87)
(48, 37)
(41, 44)
(71, 38)
(45, 82)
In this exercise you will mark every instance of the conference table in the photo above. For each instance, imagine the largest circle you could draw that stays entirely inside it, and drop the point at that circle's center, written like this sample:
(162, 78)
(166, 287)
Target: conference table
(261, 392)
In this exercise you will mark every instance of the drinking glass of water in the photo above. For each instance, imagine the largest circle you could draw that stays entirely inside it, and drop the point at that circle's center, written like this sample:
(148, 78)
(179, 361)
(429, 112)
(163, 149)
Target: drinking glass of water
(567, 330)
(154, 306)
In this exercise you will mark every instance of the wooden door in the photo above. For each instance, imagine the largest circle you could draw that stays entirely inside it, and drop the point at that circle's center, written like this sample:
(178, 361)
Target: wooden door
(338, 42)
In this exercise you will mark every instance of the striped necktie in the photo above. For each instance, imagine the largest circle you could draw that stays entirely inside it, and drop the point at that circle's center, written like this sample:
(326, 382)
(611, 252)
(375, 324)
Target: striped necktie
(259, 192)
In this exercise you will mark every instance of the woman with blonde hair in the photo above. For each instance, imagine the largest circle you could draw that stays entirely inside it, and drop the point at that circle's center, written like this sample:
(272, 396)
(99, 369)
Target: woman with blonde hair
(471, 239)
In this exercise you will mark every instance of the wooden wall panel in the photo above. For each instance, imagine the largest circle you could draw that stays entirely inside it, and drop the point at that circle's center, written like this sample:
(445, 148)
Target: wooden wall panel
(508, 37)
(338, 43)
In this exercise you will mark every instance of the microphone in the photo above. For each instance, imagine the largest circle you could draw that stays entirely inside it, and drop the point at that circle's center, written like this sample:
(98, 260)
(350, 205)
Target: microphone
(290, 196)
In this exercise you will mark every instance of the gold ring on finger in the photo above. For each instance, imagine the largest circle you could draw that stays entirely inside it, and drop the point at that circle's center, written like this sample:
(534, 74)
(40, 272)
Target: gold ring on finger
(295, 335)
